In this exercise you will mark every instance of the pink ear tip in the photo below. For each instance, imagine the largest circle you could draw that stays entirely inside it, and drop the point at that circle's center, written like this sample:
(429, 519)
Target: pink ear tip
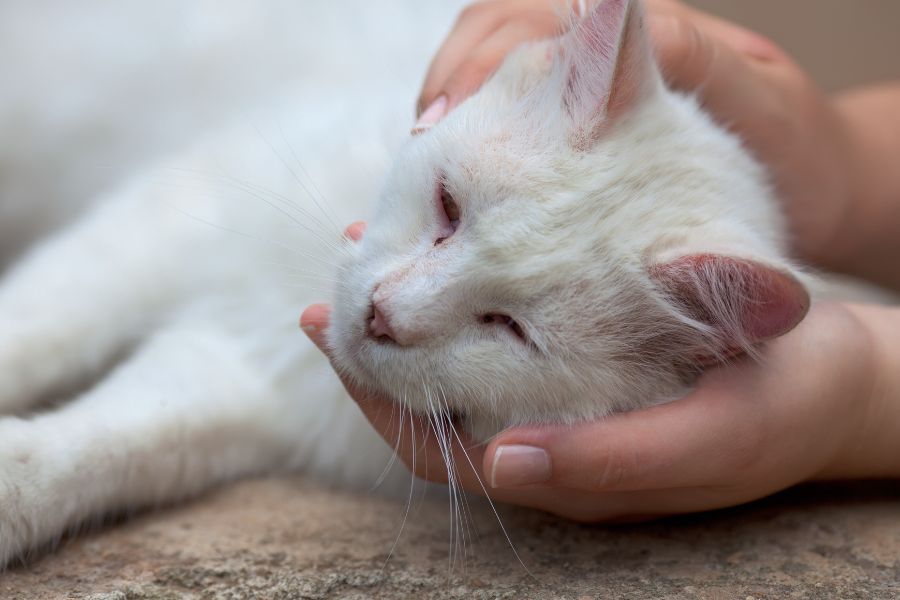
(770, 302)
(782, 307)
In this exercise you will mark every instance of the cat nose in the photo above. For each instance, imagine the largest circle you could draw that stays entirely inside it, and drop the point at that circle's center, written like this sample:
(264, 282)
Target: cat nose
(393, 319)
(380, 325)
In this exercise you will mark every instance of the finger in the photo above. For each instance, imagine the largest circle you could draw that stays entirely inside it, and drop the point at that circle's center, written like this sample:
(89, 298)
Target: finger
(691, 442)
(734, 88)
(355, 230)
(475, 23)
(738, 38)
(484, 59)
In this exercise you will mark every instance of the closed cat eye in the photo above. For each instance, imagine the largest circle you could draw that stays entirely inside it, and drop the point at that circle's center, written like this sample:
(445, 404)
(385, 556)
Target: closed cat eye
(506, 321)
(448, 214)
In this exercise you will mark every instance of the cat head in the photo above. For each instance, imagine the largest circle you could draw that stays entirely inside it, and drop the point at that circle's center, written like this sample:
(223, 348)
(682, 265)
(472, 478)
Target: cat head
(573, 240)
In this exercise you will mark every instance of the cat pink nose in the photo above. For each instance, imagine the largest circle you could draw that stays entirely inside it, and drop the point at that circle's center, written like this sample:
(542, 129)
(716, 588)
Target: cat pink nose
(379, 325)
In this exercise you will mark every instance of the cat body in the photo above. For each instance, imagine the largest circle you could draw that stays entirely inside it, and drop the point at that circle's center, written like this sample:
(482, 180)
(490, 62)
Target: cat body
(602, 252)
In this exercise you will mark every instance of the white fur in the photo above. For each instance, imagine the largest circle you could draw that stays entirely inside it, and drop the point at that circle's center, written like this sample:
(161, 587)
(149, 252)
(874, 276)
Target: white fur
(173, 298)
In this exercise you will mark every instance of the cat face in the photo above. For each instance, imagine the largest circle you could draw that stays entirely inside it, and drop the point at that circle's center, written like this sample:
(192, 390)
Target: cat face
(572, 240)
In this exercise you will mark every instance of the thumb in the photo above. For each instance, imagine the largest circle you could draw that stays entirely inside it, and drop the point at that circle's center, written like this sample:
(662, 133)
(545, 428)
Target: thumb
(675, 445)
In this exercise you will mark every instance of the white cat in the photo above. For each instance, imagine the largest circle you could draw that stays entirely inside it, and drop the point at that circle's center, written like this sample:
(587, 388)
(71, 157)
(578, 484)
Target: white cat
(573, 240)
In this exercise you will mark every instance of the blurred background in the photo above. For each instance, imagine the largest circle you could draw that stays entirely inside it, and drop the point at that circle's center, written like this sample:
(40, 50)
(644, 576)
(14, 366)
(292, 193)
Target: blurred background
(840, 42)
(92, 90)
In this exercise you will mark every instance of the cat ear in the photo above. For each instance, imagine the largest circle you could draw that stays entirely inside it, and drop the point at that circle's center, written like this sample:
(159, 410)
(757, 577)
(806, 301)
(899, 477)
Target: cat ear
(743, 302)
(609, 67)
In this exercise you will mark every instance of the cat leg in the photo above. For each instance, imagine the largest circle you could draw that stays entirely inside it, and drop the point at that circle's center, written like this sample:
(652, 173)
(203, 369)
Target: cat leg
(185, 412)
(190, 409)
(70, 305)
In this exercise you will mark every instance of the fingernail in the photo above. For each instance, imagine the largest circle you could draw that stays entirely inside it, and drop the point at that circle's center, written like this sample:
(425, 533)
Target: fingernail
(434, 113)
(516, 466)
(309, 329)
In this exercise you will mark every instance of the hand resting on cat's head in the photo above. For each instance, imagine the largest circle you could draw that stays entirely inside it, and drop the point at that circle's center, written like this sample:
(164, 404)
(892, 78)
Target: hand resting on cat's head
(746, 82)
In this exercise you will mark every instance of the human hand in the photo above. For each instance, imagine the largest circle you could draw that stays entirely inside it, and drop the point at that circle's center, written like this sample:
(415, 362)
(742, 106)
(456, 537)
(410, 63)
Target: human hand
(744, 80)
(816, 406)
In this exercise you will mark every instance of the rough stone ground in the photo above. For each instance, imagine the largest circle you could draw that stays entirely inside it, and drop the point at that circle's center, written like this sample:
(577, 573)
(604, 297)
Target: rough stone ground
(289, 539)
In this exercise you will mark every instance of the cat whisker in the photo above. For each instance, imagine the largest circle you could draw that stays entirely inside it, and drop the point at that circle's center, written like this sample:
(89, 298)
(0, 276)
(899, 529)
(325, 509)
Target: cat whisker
(491, 503)
(296, 271)
(412, 483)
(443, 440)
(308, 288)
(393, 459)
(277, 202)
(289, 202)
(280, 245)
(468, 521)
(295, 176)
(312, 182)
(283, 204)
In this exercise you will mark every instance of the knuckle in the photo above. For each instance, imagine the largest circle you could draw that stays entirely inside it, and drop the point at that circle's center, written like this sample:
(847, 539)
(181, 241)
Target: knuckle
(688, 53)
(615, 467)
(697, 47)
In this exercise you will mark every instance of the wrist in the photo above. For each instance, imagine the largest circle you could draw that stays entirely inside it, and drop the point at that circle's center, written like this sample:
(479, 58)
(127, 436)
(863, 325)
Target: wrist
(870, 448)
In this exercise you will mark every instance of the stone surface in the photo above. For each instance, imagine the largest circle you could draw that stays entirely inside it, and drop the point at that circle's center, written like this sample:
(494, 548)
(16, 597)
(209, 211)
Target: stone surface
(289, 539)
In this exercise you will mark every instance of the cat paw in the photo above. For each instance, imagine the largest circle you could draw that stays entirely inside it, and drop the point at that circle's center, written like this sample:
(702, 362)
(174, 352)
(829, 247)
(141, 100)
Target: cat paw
(19, 500)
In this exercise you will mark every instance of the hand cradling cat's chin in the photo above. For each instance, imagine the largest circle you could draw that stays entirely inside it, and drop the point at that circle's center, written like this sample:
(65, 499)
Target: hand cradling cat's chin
(733, 439)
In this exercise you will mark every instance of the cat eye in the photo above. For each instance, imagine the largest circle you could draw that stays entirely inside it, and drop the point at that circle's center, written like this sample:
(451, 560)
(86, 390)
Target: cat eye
(505, 321)
(448, 213)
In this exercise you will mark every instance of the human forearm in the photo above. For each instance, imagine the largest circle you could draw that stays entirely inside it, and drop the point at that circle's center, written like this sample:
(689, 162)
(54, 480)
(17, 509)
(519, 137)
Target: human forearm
(869, 245)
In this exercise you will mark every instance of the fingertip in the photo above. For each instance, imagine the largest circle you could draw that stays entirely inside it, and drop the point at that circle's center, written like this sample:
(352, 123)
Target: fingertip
(429, 95)
(314, 323)
(355, 230)
(430, 117)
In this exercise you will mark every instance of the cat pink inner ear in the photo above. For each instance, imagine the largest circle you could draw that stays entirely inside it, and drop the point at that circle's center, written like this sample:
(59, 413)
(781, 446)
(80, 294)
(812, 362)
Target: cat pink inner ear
(610, 66)
(745, 302)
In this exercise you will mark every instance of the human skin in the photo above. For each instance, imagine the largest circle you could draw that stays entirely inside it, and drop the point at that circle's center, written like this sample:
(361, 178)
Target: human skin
(822, 403)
